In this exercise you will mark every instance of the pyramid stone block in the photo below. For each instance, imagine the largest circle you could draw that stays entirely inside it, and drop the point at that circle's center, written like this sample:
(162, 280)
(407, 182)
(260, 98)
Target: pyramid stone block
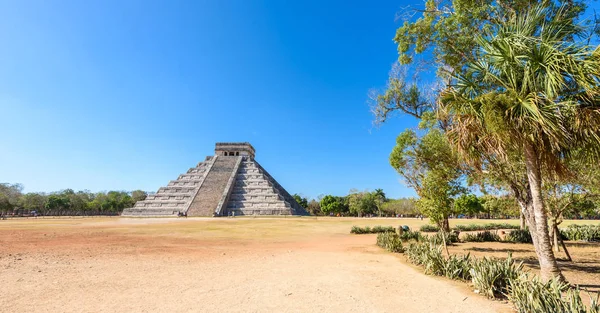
(230, 182)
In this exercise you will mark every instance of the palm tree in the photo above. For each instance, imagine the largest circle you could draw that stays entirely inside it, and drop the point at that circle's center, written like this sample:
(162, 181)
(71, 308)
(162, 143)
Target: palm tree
(380, 196)
(526, 103)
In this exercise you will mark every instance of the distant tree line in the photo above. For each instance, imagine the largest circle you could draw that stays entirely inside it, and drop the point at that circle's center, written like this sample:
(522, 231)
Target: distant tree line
(13, 202)
(465, 205)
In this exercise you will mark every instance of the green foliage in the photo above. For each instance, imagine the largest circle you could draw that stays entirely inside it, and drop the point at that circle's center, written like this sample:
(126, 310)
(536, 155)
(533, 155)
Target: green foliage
(369, 230)
(429, 228)
(65, 202)
(438, 238)
(360, 203)
(581, 232)
(428, 165)
(429, 255)
(303, 202)
(468, 204)
(332, 204)
(404, 206)
(489, 226)
(485, 236)
(411, 235)
(500, 206)
(519, 236)
(458, 267)
(491, 276)
(533, 296)
(390, 241)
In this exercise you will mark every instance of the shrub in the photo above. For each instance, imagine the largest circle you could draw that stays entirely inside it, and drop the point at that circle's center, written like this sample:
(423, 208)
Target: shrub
(519, 236)
(437, 239)
(534, 296)
(485, 236)
(581, 232)
(431, 258)
(458, 267)
(491, 276)
(411, 235)
(429, 228)
(390, 241)
(489, 226)
(415, 252)
(369, 230)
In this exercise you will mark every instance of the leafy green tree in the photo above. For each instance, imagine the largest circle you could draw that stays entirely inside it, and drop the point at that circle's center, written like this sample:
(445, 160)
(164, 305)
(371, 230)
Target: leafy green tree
(469, 205)
(380, 198)
(431, 168)
(303, 202)
(404, 206)
(500, 206)
(57, 204)
(332, 204)
(10, 195)
(531, 94)
(361, 203)
(33, 201)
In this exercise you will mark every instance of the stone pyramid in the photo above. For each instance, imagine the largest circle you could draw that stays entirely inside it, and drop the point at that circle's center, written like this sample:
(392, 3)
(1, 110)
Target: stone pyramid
(230, 181)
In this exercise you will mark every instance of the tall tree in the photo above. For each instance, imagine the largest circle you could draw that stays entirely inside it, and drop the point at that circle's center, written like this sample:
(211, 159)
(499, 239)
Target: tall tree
(431, 168)
(532, 95)
(380, 199)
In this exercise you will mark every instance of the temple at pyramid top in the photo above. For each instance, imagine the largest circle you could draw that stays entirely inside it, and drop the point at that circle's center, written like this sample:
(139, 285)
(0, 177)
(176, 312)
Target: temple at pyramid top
(234, 149)
(230, 182)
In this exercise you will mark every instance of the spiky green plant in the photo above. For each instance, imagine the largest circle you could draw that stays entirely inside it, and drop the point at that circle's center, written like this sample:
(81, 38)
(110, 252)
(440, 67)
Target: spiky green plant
(491, 276)
(519, 236)
(390, 241)
(485, 236)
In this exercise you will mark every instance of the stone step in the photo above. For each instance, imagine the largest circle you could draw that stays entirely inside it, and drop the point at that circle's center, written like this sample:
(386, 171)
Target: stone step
(255, 197)
(150, 212)
(213, 189)
(175, 190)
(160, 204)
(195, 176)
(258, 205)
(184, 183)
(259, 211)
(167, 197)
(250, 190)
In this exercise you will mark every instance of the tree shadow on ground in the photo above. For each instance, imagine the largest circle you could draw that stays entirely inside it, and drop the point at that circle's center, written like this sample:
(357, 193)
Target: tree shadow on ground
(479, 249)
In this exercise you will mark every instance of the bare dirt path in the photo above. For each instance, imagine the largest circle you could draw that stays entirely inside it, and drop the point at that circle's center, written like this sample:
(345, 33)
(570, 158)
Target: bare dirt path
(207, 266)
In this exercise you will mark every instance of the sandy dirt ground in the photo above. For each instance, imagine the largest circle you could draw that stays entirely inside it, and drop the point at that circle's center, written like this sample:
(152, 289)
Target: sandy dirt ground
(213, 265)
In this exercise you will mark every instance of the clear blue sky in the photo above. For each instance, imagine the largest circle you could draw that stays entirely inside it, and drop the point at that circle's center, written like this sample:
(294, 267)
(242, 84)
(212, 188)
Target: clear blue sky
(123, 95)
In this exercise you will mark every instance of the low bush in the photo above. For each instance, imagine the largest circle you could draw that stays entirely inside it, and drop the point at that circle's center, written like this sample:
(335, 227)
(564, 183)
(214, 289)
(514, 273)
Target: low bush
(431, 258)
(369, 230)
(519, 236)
(429, 228)
(458, 267)
(489, 226)
(533, 296)
(485, 236)
(581, 232)
(411, 235)
(390, 241)
(437, 239)
(491, 276)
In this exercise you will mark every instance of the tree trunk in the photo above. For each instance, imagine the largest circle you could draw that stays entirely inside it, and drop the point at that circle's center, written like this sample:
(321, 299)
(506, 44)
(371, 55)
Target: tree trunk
(538, 221)
(555, 234)
(445, 225)
(522, 221)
